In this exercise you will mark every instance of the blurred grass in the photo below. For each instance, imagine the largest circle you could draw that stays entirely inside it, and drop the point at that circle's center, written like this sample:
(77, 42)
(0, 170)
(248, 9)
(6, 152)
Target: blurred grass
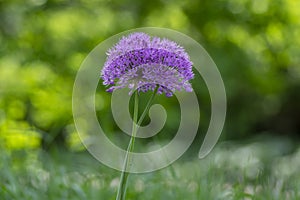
(261, 169)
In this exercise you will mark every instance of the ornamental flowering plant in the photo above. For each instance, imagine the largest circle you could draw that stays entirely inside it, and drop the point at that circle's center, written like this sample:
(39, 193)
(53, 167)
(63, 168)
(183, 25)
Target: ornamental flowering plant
(143, 63)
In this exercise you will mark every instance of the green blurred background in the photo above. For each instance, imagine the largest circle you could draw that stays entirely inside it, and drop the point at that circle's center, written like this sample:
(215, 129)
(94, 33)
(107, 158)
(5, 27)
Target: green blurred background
(255, 44)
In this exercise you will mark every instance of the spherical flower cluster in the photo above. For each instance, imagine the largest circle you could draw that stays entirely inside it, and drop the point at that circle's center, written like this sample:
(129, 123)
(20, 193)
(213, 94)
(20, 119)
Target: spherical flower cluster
(141, 62)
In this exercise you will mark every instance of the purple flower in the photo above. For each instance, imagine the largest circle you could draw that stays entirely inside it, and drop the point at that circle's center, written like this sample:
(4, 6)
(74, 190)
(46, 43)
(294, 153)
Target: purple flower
(141, 62)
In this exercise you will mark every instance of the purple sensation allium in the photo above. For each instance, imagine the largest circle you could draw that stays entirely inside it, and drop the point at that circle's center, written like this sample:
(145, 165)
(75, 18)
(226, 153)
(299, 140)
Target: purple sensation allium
(141, 62)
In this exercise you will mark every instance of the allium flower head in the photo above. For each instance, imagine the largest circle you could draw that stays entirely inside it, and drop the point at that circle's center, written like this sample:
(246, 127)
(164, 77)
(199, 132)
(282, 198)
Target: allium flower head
(141, 62)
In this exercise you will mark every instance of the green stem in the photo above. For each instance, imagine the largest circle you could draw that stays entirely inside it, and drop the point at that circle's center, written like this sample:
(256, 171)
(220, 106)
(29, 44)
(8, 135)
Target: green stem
(147, 107)
(124, 176)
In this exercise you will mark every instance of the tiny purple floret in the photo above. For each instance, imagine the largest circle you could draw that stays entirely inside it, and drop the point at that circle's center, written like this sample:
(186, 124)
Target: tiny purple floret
(141, 62)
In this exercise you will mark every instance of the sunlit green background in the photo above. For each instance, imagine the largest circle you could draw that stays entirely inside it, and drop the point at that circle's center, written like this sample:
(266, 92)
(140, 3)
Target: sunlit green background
(256, 46)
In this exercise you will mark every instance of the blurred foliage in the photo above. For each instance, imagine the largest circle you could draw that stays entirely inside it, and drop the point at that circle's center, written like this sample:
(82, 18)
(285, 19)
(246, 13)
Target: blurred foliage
(255, 44)
(232, 171)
